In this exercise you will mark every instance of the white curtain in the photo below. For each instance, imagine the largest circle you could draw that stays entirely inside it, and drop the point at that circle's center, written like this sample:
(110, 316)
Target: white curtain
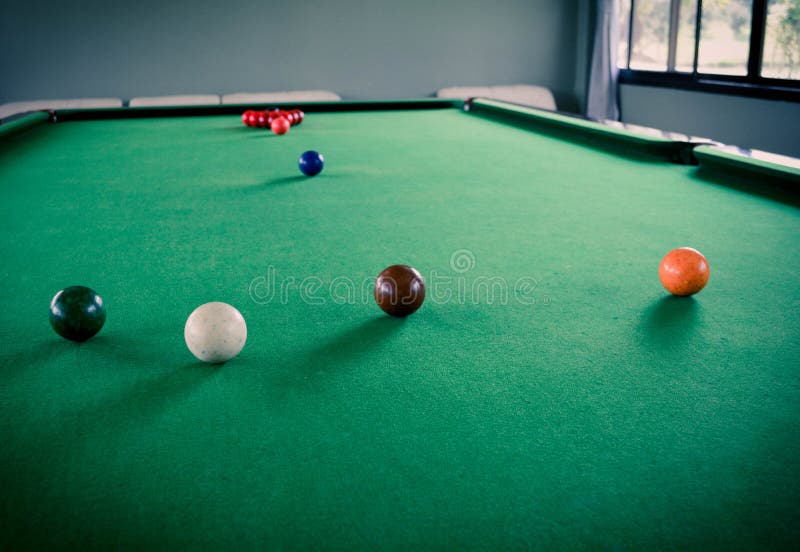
(601, 101)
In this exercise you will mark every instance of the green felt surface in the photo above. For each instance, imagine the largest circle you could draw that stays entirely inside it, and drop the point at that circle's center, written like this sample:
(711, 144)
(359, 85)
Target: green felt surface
(587, 410)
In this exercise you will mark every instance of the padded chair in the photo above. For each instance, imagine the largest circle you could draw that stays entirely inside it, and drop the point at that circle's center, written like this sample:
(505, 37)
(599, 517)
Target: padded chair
(180, 99)
(281, 97)
(15, 108)
(524, 94)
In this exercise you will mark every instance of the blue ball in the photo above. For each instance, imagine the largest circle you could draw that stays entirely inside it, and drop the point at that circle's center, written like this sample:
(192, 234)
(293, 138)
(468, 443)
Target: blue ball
(311, 163)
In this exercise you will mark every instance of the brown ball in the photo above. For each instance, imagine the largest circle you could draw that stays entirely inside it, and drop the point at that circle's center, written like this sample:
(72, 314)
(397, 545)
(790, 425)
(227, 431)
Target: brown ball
(399, 290)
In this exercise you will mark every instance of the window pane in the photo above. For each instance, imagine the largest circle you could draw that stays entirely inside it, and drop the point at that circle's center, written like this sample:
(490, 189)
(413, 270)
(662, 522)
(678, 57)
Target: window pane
(684, 51)
(624, 19)
(725, 36)
(782, 40)
(650, 28)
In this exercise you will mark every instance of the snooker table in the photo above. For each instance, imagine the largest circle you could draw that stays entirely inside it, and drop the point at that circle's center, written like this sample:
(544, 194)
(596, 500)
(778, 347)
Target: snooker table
(548, 394)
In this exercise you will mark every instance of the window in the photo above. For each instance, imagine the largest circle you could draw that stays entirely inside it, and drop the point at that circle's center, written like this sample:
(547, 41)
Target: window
(749, 47)
(782, 40)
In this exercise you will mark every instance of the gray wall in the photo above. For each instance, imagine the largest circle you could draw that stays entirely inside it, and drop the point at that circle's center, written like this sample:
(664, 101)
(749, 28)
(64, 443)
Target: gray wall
(747, 122)
(358, 48)
(584, 21)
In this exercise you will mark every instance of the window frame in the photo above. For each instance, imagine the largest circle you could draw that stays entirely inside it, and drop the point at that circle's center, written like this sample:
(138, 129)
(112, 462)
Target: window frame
(752, 84)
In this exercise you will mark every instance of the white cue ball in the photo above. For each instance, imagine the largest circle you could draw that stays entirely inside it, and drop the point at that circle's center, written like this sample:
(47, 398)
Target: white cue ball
(215, 332)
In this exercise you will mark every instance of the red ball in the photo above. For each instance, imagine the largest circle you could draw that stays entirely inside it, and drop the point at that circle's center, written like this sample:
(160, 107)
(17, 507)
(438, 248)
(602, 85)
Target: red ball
(280, 125)
(301, 116)
(261, 119)
(252, 119)
(684, 271)
(246, 117)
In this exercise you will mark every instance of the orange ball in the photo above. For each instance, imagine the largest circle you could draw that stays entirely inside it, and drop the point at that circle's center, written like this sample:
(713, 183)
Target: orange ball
(684, 271)
(280, 125)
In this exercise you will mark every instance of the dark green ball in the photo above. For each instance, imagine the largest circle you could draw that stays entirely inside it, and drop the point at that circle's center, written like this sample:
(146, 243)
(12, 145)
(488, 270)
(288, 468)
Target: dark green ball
(77, 313)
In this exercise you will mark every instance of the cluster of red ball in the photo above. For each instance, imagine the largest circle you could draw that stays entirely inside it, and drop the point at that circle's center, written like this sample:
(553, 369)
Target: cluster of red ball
(277, 119)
